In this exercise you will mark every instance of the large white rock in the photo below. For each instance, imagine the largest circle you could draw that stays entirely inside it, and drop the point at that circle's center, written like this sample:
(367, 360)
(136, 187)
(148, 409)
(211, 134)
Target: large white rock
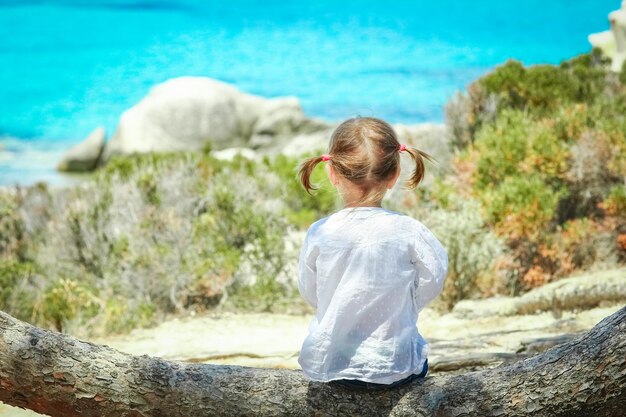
(613, 42)
(85, 155)
(189, 113)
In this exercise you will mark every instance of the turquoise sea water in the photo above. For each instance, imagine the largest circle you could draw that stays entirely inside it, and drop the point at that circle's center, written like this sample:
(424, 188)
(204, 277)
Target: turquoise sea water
(69, 66)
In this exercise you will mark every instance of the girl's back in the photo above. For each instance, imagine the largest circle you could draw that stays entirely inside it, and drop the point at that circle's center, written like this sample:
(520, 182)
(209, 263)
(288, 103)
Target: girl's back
(368, 271)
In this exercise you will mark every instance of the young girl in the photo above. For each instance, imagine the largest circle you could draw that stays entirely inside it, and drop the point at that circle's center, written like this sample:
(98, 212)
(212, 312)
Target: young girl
(368, 271)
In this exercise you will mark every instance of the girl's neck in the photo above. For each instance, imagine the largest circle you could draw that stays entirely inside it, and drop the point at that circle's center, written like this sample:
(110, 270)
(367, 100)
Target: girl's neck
(353, 196)
(360, 202)
(378, 204)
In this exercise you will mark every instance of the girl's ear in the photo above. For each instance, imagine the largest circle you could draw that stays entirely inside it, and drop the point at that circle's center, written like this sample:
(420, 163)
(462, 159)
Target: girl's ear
(392, 180)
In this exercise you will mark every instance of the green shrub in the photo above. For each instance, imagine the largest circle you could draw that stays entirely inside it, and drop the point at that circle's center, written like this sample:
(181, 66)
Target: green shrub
(517, 145)
(263, 295)
(522, 206)
(590, 76)
(539, 90)
(148, 185)
(615, 202)
(168, 232)
(547, 154)
(542, 89)
(12, 229)
(16, 296)
(443, 193)
(577, 245)
(119, 317)
(472, 248)
(125, 167)
(521, 173)
(502, 148)
(303, 209)
(65, 300)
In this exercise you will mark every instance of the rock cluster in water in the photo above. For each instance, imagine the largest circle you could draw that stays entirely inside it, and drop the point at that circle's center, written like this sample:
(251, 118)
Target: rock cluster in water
(193, 113)
(198, 113)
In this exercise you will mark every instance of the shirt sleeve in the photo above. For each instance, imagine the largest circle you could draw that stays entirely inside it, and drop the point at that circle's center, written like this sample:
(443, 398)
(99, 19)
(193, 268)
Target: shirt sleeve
(431, 261)
(307, 277)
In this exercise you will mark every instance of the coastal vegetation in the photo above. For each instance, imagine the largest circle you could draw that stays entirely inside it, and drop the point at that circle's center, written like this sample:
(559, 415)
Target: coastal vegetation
(543, 149)
(153, 234)
(535, 192)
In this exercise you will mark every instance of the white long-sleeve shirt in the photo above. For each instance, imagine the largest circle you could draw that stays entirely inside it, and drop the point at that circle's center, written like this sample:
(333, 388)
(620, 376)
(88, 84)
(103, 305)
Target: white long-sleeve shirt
(368, 271)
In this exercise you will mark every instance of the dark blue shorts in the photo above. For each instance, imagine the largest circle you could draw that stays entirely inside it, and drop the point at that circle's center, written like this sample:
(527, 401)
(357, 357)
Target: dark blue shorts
(355, 383)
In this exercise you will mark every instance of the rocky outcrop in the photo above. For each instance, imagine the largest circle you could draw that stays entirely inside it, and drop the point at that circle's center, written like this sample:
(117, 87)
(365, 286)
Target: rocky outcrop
(85, 155)
(613, 42)
(199, 113)
(581, 292)
(193, 113)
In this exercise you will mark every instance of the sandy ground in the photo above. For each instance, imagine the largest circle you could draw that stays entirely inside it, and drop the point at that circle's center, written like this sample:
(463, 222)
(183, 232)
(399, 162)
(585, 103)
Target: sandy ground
(274, 340)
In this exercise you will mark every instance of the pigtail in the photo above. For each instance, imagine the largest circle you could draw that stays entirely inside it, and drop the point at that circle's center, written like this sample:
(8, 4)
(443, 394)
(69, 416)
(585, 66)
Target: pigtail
(306, 168)
(420, 168)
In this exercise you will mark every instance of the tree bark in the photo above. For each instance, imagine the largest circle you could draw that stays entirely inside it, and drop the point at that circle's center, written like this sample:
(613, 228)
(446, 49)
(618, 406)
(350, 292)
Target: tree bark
(55, 374)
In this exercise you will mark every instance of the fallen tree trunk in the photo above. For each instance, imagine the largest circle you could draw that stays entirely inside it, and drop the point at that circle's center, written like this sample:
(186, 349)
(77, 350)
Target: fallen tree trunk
(56, 374)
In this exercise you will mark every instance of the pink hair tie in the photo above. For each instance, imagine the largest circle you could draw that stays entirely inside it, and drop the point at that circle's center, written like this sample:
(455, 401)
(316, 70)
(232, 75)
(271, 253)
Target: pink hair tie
(402, 148)
(325, 157)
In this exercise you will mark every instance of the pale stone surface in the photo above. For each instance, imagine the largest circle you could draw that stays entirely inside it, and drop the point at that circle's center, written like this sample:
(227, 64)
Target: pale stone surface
(187, 113)
(613, 42)
(579, 292)
(618, 29)
(85, 155)
(605, 41)
(310, 143)
(8, 411)
(282, 119)
(234, 338)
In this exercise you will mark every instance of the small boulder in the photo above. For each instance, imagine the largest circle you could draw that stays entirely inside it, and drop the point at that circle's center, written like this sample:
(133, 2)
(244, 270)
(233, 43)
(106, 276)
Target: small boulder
(84, 156)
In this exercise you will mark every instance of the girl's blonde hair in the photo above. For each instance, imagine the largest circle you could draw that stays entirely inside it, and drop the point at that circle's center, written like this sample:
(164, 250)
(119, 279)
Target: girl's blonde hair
(365, 151)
